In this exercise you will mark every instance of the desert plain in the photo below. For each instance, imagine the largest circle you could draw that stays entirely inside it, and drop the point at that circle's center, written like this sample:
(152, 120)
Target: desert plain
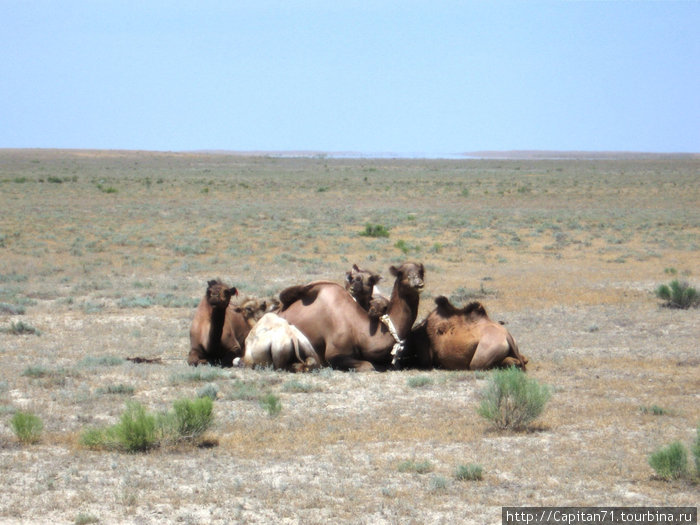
(105, 254)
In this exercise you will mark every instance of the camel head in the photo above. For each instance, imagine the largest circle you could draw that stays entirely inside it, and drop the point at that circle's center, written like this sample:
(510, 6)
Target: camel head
(218, 294)
(360, 283)
(409, 275)
(253, 308)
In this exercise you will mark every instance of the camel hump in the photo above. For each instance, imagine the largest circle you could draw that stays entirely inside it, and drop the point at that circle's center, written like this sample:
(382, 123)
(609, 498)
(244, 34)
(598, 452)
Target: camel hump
(305, 292)
(475, 308)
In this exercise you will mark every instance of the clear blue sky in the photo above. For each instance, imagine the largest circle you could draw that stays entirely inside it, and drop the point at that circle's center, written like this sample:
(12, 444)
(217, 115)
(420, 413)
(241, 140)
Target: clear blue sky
(410, 77)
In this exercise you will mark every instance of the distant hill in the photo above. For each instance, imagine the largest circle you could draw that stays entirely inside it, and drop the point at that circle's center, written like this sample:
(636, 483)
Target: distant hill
(572, 155)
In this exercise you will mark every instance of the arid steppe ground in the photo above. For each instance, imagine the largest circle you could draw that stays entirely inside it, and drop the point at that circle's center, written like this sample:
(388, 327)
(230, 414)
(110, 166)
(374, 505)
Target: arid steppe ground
(106, 254)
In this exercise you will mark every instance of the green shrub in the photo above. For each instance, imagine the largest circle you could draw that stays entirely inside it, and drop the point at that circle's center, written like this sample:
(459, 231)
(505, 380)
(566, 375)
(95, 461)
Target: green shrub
(512, 400)
(193, 417)
(374, 230)
(21, 328)
(470, 472)
(670, 462)
(272, 404)
(678, 294)
(27, 427)
(136, 430)
(654, 410)
(419, 467)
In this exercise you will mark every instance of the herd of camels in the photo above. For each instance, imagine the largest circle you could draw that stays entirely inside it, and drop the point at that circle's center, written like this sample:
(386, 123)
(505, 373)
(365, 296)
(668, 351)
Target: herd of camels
(348, 327)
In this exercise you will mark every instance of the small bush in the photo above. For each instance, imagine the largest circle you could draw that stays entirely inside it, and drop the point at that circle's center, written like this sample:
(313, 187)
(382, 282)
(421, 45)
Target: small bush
(136, 431)
(654, 410)
(470, 472)
(21, 328)
(678, 294)
(419, 467)
(670, 462)
(27, 427)
(271, 404)
(374, 230)
(210, 391)
(120, 389)
(193, 417)
(438, 483)
(512, 400)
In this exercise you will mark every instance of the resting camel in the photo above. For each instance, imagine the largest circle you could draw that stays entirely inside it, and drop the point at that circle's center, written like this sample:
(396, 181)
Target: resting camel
(461, 339)
(362, 285)
(273, 341)
(342, 333)
(218, 331)
(253, 308)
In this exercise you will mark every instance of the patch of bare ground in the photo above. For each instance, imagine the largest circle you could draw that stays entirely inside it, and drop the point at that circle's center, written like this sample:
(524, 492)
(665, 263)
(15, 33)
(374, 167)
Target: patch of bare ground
(566, 252)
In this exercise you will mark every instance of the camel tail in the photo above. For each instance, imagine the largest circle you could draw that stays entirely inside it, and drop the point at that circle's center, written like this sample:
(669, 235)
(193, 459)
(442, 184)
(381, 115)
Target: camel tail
(515, 351)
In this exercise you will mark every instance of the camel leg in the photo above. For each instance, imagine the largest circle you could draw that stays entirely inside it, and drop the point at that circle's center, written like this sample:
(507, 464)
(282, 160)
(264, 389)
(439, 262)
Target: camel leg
(490, 352)
(350, 363)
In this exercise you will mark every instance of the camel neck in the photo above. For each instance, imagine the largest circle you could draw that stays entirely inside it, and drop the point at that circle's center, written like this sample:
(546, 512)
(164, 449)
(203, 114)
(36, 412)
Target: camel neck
(403, 309)
(218, 315)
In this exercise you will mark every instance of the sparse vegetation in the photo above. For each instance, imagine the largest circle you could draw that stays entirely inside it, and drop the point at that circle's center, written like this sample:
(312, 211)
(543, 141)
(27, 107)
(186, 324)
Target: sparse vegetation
(140, 431)
(20, 328)
(73, 259)
(271, 404)
(512, 400)
(418, 467)
(419, 381)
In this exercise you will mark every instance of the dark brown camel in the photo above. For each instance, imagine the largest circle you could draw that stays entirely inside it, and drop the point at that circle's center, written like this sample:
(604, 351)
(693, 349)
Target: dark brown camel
(341, 332)
(218, 330)
(461, 339)
(362, 286)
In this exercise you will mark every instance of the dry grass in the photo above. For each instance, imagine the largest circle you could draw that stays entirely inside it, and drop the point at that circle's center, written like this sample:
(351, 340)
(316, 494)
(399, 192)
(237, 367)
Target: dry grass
(109, 262)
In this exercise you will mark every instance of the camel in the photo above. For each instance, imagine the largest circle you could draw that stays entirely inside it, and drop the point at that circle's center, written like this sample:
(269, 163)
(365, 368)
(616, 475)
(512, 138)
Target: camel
(461, 339)
(273, 341)
(362, 285)
(342, 333)
(218, 331)
(253, 308)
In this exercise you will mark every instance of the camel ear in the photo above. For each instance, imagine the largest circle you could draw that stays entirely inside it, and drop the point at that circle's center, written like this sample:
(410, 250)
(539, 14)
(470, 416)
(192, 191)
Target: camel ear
(233, 291)
(348, 277)
(374, 278)
(355, 267)
(394, 271)
(211, 283)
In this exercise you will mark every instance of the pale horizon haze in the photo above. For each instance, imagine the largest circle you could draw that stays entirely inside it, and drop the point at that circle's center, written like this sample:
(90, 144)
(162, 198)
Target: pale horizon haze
(410, 78)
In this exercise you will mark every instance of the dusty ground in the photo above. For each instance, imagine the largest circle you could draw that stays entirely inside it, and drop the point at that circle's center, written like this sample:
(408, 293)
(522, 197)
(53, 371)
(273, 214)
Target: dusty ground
(106, 254)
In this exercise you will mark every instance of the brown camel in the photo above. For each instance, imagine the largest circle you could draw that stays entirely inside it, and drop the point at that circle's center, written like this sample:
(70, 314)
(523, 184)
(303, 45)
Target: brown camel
(218, 331)
(461, 339)
(341, 332)
(362, 285)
